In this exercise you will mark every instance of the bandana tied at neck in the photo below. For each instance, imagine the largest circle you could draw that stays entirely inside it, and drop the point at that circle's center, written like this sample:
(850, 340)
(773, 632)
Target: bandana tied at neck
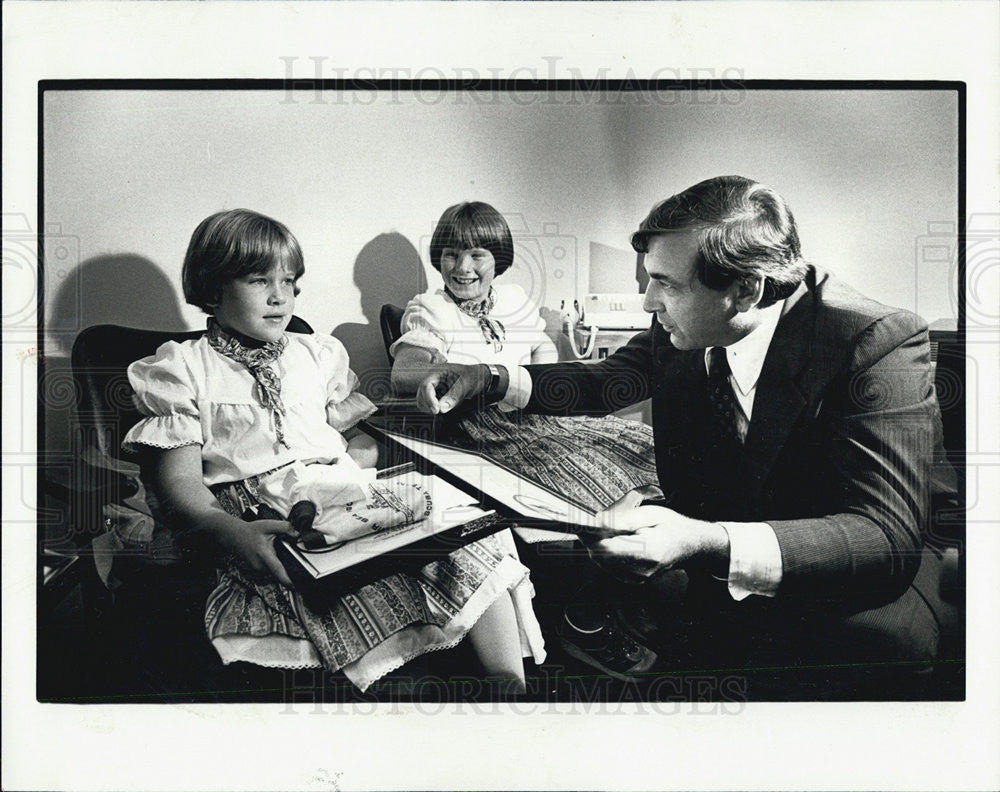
(258, 360)
(493, 330)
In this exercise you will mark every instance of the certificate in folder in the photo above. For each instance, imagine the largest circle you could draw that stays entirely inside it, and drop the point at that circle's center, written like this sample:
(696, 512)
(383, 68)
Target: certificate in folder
(455, 519)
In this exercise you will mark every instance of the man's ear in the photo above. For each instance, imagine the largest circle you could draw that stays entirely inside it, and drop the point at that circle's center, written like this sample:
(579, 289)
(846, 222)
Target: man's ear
(749, 292)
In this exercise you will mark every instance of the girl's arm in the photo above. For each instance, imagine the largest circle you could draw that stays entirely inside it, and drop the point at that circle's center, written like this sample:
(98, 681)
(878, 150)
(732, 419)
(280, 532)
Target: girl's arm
(361, 448)
(187, 501)
(545, 351)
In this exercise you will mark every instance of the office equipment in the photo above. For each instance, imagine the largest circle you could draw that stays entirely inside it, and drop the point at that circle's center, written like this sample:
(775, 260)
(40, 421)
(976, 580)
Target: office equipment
(609, 311)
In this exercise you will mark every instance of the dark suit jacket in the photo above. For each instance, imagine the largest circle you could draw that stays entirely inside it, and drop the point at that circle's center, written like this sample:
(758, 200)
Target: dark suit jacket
(838, 453)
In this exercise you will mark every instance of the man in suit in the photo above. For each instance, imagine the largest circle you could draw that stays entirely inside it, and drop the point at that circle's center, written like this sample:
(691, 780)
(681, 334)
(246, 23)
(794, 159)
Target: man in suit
(794, 421)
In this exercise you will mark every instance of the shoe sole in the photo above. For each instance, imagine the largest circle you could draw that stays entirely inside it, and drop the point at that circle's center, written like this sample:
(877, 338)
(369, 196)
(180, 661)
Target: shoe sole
(643, 665)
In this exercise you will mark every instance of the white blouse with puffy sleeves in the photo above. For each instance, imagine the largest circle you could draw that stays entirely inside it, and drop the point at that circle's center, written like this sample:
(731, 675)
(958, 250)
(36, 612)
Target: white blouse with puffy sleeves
(189, 394)
(433, 321)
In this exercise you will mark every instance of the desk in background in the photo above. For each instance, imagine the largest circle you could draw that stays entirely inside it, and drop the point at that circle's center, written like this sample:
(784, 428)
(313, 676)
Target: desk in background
(606, 343)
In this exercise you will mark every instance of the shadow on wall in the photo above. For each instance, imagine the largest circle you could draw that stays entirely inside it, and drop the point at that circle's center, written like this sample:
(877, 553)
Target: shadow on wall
(387, 270)
(553, 329)
(123, 289)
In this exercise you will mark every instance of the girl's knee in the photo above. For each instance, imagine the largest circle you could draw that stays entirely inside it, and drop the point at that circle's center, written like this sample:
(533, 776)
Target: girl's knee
(496, 640)
(509, 686)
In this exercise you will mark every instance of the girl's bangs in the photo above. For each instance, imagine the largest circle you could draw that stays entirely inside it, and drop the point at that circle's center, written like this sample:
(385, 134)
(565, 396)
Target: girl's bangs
(472, 233)
(264, 254)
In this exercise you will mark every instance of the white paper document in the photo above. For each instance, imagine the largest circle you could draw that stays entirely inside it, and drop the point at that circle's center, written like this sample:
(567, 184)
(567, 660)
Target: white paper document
(449, 507)
(509, 488)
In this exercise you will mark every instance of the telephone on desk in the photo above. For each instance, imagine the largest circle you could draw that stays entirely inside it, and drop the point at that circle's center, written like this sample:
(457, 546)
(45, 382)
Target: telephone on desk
(615, 312)
(603, 322)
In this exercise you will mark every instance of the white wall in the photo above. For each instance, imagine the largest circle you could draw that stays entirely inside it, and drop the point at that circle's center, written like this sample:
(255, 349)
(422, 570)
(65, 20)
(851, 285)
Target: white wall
(362, 180)
(361, 186)
(865, 172)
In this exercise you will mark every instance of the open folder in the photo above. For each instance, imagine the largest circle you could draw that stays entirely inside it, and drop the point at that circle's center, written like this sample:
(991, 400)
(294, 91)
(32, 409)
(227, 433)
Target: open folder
(455, 518)
(527, 502)
(473, 496)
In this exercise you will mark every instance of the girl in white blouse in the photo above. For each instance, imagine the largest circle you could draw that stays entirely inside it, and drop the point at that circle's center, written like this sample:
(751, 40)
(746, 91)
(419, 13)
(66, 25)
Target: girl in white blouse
(472, 319)
(229, 415)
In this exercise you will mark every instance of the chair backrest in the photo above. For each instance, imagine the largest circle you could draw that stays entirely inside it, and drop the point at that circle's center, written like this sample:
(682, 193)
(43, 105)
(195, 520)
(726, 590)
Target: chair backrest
(948, 480)
(389, 319)
(101, 354)
(949, 384)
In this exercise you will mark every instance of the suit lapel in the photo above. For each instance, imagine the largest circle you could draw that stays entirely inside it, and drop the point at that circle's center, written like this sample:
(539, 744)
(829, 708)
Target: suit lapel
(782, 394)
(780, 397)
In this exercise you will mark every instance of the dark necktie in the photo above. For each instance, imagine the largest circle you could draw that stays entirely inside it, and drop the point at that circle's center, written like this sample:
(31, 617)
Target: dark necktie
(727, 424)
(719, 484)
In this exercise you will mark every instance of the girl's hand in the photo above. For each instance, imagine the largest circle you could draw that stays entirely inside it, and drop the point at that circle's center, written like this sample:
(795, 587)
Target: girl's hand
(189, 504)
(363, 450)
(253, 545)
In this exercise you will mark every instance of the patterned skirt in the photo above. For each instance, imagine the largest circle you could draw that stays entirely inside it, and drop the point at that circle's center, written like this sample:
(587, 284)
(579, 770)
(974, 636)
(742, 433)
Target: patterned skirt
(590, 461)
(380, 626)
(593, 461)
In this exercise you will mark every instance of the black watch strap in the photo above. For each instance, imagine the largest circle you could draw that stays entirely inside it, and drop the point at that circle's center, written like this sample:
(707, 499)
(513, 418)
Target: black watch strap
(496, 384)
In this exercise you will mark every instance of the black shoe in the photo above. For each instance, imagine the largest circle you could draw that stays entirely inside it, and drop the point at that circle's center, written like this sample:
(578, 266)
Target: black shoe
(608, 648)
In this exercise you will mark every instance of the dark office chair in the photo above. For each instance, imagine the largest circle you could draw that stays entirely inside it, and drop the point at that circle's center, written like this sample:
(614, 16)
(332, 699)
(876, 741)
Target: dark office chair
(147, 633)
(947, 527)
(389, 319)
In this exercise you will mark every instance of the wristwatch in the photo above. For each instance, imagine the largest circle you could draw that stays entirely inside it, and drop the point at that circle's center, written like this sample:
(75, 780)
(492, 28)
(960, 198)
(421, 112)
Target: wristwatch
(492, 390)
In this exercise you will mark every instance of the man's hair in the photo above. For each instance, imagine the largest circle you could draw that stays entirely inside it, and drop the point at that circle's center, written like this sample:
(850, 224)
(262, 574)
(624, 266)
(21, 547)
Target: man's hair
(473, 225)
(231, 244)
(744, 229)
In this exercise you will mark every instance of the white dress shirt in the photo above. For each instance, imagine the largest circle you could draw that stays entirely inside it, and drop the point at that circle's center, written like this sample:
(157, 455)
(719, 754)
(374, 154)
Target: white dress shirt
(754, 554)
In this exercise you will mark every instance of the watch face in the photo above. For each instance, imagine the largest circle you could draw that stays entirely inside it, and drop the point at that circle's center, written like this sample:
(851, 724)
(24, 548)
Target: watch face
(494, 383)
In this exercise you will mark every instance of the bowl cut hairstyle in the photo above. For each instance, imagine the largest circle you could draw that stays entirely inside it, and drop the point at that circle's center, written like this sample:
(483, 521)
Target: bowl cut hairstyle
(473, 225)
(231, 244)
(744, 229)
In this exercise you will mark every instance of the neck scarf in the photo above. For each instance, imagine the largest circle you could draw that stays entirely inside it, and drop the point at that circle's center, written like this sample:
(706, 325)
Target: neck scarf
(493, 330)
(257, 357)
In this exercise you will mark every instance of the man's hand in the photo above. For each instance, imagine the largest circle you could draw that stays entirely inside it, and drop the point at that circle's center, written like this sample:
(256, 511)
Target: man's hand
(627, 515)
(646, 540)
(253, 545)
(450, 385)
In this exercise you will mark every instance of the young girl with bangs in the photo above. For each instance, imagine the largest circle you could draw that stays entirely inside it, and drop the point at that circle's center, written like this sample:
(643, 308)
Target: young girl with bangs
(476, 320)
(231, 418)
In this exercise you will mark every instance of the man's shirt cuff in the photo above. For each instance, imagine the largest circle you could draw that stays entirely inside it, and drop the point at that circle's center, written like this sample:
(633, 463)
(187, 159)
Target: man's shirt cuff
(518, 389)
(754, 560)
